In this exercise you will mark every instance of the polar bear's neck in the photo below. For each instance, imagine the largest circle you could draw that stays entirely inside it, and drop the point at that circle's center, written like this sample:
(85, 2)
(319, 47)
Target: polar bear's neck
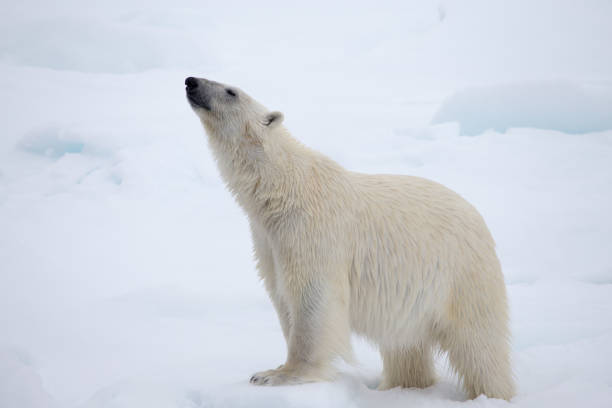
(276, 177)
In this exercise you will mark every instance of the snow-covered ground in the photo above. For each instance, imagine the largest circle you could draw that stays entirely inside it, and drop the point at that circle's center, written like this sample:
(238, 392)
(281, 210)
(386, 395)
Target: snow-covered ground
(126, 274)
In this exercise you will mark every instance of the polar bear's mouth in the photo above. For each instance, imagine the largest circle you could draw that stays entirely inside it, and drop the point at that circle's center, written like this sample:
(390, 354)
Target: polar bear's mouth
(196, 100)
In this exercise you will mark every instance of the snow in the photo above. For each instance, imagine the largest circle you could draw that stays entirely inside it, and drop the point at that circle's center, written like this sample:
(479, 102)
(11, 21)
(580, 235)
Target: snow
(20, 384)
(126, 273)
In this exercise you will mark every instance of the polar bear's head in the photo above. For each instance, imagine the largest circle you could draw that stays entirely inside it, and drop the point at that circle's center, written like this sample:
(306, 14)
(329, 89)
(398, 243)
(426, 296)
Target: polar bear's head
(229, 115)
(254, 152)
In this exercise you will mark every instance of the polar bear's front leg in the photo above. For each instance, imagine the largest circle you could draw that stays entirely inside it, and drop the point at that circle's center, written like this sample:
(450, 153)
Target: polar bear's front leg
(268, 274)
(319, 332)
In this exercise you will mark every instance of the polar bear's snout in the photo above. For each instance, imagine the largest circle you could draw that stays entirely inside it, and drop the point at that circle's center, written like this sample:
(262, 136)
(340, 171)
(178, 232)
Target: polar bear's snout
(191, 83)
(197, 94)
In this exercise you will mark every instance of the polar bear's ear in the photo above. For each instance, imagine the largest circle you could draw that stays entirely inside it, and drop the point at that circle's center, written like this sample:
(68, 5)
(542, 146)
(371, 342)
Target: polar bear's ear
(273, 119)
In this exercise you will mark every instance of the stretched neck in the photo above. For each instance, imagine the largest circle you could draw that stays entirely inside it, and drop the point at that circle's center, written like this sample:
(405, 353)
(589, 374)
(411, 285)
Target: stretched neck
(261, 172)
(275, 177)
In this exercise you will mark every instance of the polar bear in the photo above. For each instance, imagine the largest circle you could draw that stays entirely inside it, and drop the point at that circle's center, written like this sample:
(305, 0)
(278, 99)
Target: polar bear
(400, 260)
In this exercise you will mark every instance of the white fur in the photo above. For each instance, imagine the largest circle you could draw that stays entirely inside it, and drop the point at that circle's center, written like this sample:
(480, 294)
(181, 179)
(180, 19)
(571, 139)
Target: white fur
(401, 260)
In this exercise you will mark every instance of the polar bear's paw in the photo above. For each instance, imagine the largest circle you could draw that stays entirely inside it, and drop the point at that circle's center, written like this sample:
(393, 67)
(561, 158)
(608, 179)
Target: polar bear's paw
(280, 376)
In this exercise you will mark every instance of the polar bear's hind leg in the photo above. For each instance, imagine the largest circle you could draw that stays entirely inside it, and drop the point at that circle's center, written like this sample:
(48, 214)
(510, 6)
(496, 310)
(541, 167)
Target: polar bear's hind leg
(408, 368)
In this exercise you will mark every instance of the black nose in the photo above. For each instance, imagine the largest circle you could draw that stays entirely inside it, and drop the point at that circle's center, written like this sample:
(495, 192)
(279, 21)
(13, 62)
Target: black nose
(191, 83)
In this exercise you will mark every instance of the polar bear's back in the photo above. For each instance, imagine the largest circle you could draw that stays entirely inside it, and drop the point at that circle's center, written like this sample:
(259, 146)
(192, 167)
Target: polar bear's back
(421, 245)
(421, 208)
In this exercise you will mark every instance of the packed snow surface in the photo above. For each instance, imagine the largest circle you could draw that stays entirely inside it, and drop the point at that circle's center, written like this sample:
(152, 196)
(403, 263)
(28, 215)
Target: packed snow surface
(126, 271)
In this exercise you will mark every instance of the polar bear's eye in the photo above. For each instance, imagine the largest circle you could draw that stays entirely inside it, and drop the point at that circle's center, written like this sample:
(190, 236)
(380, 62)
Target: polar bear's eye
(230, 92)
